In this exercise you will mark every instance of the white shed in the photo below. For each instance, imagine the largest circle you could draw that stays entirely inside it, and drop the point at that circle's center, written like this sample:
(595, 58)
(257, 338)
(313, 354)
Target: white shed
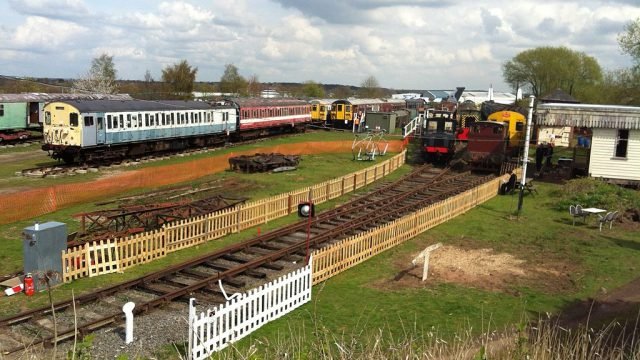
(615, 145)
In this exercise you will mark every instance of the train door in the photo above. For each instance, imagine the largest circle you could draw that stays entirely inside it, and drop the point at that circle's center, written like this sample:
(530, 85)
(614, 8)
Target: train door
(35, 109)
(100, 129)
(89, 129)
(348, 113)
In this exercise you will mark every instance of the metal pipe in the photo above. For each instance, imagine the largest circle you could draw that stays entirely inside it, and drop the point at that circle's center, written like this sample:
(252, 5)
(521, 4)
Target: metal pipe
(525, 155)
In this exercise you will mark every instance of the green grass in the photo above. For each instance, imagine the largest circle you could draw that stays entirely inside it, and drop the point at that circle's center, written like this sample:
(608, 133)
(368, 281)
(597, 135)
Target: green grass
(354, 303)
(313, 169)
(39, 158)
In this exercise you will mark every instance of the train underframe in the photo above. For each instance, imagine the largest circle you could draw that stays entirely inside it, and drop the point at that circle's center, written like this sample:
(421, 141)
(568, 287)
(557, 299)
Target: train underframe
(111, 153)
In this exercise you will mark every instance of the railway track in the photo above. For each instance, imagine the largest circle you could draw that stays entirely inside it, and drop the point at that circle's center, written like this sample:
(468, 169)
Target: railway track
(62, 169)
(238, 266)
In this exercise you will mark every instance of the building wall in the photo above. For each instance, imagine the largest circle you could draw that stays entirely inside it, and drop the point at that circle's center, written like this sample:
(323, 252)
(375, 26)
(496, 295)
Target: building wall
(604, 164)
(15, 116)
(558, 135)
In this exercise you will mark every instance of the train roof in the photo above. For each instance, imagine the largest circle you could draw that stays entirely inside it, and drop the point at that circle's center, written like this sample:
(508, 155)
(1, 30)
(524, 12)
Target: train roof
(368, 101)
(49, 97)
(322, 101)
(135, 105)
(253, 102)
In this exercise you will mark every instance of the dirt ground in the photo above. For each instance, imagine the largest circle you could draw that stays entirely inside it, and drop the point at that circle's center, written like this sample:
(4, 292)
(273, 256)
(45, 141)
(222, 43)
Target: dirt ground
(482, 269)
(487, 270)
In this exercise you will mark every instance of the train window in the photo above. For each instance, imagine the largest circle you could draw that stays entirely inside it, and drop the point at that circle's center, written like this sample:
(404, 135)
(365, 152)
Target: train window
(519, 126)
(182, 118)
(315, 108)
(322, 108)
(622, 140)
(115, 121)
(134, 120)
(73, 119)
(153, 120)
(173, 119)
(88, 121)
(122, 121)
(146, 120)
(1, 110)
(347, 108)
(209, 116)
(164, 120)
(128, 121)
(339, 107)
(100, 123)
(432, 126)
(448, 126)
(47, 117)
(59, 107)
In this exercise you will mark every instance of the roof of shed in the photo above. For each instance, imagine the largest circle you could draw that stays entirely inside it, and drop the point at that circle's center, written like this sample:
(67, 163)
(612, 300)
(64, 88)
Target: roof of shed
(135, 105)
(559, 96)
(589, 115)
(48, 97)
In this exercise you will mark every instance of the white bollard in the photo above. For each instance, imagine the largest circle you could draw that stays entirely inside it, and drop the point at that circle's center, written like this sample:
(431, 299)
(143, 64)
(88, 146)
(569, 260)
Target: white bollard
(128, 312)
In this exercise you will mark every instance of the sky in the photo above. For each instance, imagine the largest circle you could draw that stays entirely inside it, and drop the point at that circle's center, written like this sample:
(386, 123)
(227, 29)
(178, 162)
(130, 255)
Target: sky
(404, 44)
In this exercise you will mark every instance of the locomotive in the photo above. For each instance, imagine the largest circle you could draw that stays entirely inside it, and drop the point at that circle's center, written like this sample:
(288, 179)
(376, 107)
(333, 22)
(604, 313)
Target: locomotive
(439, 139)
(81, 131)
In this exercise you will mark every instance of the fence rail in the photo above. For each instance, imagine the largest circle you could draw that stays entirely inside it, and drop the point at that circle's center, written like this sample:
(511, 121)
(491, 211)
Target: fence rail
(241, 315)
(113, 255)
(334, 259)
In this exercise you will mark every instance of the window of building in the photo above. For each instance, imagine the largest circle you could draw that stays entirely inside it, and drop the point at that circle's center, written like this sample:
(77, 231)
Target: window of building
(73, 119)
(622, 141)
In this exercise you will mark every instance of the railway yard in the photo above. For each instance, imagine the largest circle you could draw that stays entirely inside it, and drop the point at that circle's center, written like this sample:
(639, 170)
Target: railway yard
(540, 274)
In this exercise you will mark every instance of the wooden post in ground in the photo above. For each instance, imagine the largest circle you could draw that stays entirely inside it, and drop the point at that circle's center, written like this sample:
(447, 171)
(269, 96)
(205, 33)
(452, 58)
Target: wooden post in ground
(424, 256)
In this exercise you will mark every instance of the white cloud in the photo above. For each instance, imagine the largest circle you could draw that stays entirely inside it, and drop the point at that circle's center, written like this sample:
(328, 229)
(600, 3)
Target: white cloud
(413, 44)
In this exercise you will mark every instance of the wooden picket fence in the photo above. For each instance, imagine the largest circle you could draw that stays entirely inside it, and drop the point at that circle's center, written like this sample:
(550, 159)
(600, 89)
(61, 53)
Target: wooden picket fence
(113, 255)
(336, 258)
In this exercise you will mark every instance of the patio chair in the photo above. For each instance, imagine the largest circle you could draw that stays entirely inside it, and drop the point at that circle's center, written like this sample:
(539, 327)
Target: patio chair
(614, 216)
(605, 219)
(581, 213)
(574, 213)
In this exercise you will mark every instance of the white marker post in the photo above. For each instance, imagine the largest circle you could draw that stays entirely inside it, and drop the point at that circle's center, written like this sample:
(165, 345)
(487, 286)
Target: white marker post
(424, 256)
(128, 312)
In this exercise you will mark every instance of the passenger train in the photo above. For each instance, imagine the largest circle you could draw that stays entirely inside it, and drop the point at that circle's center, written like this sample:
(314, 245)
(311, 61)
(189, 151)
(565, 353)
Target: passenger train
(95, 130)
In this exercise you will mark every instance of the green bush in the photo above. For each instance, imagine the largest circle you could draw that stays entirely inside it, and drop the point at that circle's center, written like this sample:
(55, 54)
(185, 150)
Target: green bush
(590, 192)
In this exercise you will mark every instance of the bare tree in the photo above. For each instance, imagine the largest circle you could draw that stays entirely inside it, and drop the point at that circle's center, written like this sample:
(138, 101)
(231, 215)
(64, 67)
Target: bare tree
(254, 87)
(101, 78)
(370, 88)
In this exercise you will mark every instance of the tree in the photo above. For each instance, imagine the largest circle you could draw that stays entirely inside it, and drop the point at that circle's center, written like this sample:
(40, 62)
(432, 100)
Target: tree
(254, 87)
(370, 88)
(147, 77)
(545, 69)
(231, 81)
(629, 40)
(621, 87)
(342, 92)
(312, 89)
(101, 78)
(180, 78)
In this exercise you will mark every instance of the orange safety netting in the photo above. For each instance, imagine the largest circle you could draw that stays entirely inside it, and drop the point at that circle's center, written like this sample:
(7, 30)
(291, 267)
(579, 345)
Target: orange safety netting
(31, 203)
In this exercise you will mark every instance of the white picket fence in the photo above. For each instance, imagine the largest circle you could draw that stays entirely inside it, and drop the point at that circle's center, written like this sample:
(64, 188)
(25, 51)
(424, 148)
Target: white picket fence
(241, 315)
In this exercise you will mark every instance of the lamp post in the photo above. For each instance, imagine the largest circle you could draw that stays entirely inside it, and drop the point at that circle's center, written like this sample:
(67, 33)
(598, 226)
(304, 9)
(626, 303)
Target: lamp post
(525, 155)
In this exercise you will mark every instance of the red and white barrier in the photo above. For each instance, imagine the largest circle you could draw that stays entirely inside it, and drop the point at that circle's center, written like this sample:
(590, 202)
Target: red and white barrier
(14, 290)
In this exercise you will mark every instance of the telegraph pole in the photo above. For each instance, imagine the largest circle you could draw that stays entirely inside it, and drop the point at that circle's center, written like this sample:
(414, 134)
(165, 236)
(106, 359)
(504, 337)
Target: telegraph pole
(525, 156)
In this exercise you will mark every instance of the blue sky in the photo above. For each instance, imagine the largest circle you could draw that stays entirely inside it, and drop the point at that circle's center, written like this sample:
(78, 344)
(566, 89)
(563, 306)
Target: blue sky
(405, 44)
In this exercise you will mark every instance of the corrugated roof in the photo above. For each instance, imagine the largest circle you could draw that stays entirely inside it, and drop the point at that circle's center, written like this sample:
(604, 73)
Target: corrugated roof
(48, 97)
(559, 96)
(244, 102)
(588, 115)
(135, 105)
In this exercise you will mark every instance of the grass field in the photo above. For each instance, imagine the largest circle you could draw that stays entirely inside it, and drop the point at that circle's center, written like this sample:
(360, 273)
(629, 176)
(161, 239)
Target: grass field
(560, 264)
(313, 169)
(495, 271)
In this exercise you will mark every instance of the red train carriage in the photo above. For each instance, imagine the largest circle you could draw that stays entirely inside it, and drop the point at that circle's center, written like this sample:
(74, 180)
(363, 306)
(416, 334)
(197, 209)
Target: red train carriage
(259, 117)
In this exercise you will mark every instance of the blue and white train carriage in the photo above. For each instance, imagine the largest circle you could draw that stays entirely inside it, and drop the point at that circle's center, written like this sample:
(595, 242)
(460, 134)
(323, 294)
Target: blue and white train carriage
(95, 130)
